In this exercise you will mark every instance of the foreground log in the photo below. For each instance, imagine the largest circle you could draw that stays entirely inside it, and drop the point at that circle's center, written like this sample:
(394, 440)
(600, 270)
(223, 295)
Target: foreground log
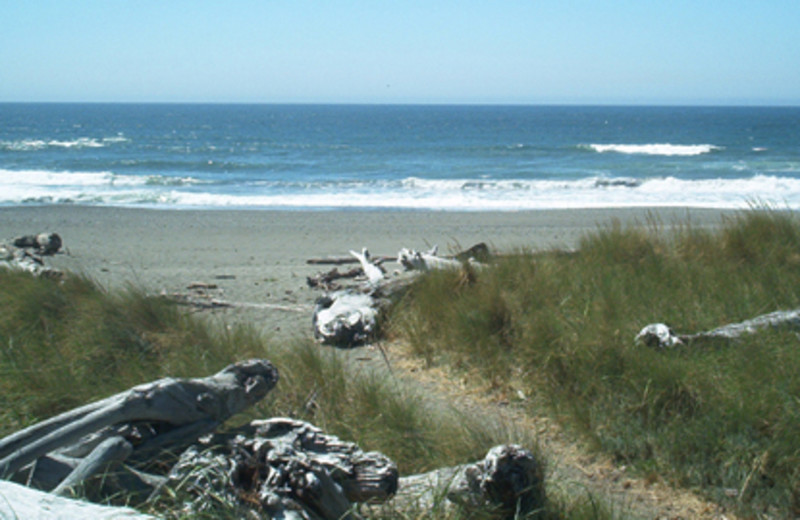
(165, 415)
(659, 335)
(23, 503)
(282, 468)
(508, 482)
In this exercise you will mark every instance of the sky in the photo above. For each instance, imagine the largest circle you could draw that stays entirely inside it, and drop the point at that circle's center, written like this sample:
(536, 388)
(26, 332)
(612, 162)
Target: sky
(715, 52)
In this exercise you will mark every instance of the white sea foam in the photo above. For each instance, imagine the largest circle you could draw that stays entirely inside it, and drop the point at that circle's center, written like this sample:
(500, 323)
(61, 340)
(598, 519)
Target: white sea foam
(655, 149)
(411, 193)
(31, 145)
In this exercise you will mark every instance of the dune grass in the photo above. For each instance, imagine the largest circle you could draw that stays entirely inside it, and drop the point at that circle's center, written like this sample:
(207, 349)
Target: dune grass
(722, 419)
(66, 343)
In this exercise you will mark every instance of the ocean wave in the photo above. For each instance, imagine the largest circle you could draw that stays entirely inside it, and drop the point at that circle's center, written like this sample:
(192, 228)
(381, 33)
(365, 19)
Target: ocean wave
(655, 149)
(32, 145)
(411, 193)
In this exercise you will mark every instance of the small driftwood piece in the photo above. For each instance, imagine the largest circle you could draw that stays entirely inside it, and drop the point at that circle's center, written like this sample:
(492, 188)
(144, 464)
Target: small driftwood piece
(328, 280)
(508, 482)
(659, 335)
(26, 253)
(373, 271)
(165, 415)
(413, 260)
(282, 468)
(24, 503)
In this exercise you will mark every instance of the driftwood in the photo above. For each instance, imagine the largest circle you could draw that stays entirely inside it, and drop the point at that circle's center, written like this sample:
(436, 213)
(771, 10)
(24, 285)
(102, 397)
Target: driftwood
(328, 280)
(24, 503)
(26, 253)
(659, 335)
(413, 260)
(166, 415)
(508, 482)
(345, 318)
(283, 468)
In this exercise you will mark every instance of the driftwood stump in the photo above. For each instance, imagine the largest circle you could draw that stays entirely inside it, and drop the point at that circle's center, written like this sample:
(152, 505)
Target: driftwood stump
(283, 468)
(508, 482)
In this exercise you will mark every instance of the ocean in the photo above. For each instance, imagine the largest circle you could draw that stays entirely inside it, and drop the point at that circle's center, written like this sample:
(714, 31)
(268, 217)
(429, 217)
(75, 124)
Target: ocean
(470, 158)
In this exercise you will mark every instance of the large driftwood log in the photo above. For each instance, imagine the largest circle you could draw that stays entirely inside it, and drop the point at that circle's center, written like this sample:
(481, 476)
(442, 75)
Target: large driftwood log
(659, 335)
(508, 482)
(283, 468)
(165, 415)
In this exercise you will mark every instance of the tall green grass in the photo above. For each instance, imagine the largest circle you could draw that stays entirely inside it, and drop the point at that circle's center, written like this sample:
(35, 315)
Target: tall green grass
(723, 419)
(63, 344)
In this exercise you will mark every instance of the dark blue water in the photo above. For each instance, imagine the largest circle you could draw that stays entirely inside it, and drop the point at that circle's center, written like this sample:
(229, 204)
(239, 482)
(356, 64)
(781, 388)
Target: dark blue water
(437, 157)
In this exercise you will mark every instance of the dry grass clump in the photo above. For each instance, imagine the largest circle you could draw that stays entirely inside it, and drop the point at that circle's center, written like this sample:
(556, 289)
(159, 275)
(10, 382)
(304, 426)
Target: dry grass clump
(724, 418)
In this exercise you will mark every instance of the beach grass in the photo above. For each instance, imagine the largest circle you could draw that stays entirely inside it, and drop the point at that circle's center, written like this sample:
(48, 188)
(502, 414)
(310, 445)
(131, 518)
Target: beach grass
(66, 343)
(723, 419)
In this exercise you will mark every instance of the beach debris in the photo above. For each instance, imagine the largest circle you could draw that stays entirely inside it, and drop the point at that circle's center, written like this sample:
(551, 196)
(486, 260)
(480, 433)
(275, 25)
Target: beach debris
(659, 335)
(373, 271)
(282, 468)
(413, 260)
(328, 280)
(166, 415)
(26, 252)
(509, 482)
(345, 318)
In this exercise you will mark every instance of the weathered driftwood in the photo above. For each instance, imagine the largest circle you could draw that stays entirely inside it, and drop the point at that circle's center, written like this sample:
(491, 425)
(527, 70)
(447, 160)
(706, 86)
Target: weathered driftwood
(345, 318)
(413, 260)
(283, 468)
(509, 481)
(372, 271)
(659, 335)
(24, 503)
(328, 280)
(165, 415)
(26, 253)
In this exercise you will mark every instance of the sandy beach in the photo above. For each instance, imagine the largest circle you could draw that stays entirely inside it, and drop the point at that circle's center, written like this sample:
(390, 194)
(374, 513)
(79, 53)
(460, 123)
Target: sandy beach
(259, 257)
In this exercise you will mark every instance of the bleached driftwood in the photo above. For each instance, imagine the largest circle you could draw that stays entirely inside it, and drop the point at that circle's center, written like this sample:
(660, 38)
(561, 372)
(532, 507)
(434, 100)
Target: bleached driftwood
(413, 260)
(509, 481)
(372, 271)
(345, 318)
(283, 468)
(24, 503)
(26, 253)
(165, 415)
(659, 335)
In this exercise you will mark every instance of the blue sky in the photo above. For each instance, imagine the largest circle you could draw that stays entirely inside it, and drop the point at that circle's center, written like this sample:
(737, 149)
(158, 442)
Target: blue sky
(358, 51)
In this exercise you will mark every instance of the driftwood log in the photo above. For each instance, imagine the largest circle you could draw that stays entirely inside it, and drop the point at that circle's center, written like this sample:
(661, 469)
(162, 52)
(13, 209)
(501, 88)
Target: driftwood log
(26, 253)
(283, 468)
(508, 482)
(23, 503)
(167, 415)
(349, 317)
(660, 335)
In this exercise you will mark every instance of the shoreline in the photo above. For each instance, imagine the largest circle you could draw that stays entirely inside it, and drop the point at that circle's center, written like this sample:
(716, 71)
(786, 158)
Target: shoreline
(259, 256)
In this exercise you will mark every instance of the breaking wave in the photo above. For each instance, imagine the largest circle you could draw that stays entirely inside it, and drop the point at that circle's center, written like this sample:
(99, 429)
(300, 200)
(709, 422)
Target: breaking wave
(655, 149)
(107, 188)
(32, 145)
